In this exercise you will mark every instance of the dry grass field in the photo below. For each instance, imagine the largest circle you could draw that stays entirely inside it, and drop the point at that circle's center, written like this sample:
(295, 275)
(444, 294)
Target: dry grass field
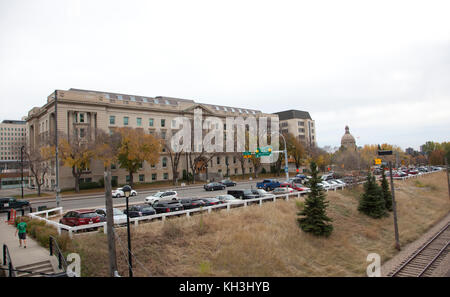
(266, 241)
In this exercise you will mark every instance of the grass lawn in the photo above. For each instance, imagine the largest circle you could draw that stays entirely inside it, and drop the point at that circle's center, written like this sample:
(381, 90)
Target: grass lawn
(266, 240)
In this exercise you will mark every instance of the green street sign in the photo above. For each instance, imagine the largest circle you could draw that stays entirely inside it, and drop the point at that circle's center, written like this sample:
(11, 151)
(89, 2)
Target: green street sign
(263, 151)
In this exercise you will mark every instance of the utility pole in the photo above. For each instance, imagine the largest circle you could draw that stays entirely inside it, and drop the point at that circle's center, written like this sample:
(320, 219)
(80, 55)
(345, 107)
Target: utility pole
(58, 199)
(394, 207)
(448, 180)
(110, 223)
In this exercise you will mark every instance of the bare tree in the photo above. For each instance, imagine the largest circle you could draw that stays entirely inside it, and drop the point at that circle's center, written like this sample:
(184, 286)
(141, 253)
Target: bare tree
(37, 159)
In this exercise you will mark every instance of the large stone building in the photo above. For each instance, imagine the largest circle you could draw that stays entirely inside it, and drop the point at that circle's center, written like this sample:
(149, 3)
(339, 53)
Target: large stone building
(81, 112)
(348, 141)
(300, 124)
(13, 135)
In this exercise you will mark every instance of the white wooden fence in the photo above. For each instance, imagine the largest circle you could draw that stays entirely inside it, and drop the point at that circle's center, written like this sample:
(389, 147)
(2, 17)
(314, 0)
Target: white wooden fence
(187, 212)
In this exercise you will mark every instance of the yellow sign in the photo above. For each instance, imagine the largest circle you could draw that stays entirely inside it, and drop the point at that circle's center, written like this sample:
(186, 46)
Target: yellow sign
(377, 161)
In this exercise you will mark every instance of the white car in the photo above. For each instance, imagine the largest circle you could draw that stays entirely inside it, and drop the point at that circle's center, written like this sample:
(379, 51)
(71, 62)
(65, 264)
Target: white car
(162, 195)
(325, 185)
(118, 215)
(334, 183)
(282, 190)
(117, 193)
(264, 193)
(229, 199)
(340, 182)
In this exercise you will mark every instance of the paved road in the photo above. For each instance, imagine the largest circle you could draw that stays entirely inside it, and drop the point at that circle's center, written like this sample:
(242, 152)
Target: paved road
(99, 200)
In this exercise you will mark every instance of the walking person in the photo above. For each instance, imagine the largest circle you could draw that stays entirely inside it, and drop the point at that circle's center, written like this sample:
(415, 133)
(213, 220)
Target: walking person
(22, 231)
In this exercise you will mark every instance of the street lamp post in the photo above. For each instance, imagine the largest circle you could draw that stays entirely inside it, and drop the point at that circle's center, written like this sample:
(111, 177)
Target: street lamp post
(127, 190)
(286, 164)
(21, 167)
(56, 151)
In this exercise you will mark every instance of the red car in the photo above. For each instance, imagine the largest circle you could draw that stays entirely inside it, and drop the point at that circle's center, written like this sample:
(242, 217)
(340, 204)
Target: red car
(80, 217)
(293, 186)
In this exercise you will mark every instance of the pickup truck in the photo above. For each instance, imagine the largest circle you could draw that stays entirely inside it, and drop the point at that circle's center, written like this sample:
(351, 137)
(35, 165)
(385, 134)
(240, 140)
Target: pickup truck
(268, 184)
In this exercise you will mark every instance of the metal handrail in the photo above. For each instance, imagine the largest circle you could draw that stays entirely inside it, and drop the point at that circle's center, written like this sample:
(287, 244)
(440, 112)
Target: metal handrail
(7, 261)
(54, 249)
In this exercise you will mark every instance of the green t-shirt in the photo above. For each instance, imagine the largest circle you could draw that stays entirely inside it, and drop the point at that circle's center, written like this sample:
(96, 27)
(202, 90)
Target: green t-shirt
(22, 227)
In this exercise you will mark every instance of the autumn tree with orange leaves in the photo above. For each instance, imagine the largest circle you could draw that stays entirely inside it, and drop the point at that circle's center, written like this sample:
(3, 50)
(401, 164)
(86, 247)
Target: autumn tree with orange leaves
(135, 148)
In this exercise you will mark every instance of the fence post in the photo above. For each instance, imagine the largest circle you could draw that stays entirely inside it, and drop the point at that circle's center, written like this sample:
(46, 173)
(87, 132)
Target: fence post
(260, 202)
(245, 203)
(70, 233)
(10, 269)
(209, 210)
(4, 254)
(187, 214)
(136, 222)
(274, 198)
(228, 207)
(50, 245)
(287, 197)
(163, 217)
(59, 261)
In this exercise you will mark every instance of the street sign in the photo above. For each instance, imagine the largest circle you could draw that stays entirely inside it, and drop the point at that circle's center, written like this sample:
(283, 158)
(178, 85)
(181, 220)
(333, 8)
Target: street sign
(263, 151)
(377, 161)
(384, 153)
(286, 169)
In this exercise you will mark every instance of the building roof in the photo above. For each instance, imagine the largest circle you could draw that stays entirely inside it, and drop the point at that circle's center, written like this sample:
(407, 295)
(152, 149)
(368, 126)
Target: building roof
(163, 100)
(14, 122)
(293, 114)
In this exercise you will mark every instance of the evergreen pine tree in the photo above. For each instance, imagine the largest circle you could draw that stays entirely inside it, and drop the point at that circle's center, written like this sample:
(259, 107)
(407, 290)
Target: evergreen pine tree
(386, 192)
(372, 202)
(314, 218)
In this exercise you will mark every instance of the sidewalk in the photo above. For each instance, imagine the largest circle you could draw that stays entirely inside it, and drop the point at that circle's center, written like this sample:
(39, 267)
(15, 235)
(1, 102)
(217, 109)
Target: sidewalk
(20, 256)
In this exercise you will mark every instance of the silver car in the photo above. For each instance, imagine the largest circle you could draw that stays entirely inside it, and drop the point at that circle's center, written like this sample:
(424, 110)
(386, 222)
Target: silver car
(119, 216)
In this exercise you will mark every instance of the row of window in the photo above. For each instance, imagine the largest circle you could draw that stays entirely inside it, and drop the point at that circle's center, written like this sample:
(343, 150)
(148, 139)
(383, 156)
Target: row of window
(11, 129)
(12, 134)
(126, 120)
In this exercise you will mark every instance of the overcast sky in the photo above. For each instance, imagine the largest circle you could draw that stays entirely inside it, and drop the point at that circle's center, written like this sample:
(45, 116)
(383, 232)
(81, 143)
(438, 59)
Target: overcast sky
(381, 67)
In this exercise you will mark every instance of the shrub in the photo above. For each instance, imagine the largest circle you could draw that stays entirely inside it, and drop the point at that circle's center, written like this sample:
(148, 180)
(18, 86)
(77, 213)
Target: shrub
(372, 202)
(89, 185)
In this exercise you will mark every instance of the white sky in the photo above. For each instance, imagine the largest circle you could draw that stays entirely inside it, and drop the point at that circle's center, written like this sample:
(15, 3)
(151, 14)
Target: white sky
(381, 67)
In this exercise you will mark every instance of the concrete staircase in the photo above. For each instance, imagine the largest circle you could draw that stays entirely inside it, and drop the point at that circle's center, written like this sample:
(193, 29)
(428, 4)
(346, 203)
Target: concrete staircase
(36, 268)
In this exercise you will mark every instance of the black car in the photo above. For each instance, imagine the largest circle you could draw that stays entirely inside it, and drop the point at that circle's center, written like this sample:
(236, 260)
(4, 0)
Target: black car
(211, 201)
(243, 194)
(228, 182)
(7, 203)
(167, 206)
(140, 210)
(214, 186)
(189, 203)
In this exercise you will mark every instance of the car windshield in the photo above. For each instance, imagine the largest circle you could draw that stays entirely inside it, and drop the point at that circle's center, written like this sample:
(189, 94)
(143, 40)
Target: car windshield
(147, 209)
(261, 191)
(88, 215)
(158, 194)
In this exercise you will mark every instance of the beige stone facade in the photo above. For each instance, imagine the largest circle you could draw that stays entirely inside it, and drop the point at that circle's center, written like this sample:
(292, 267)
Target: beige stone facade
(300, 124)
(84, 111)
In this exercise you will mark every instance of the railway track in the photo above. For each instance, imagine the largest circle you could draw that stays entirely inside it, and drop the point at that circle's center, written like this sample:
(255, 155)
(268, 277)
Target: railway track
(425, 260)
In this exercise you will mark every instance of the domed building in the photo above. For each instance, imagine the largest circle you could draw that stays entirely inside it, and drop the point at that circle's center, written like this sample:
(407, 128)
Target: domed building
(348, 141)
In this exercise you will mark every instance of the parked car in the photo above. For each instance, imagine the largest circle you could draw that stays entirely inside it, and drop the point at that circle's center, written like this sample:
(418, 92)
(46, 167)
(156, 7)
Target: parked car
(294, 186)
(163, 206)
(228, 182)
(268, 184)
(118, 215)
(211, 201)
(334, 183)
(189, 203)
(262, 193)
(7, 203)
(325, 185)
(229, 199)
(80, 217)
(282, 190)
(161, 196)
(327, 177)
(341, 182)
(117, 193)
(242, 194)
(214, 186)
(140, 210)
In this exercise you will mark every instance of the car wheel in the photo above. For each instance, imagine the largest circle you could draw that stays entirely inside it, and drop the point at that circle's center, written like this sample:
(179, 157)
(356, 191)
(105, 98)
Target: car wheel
(133, 194)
